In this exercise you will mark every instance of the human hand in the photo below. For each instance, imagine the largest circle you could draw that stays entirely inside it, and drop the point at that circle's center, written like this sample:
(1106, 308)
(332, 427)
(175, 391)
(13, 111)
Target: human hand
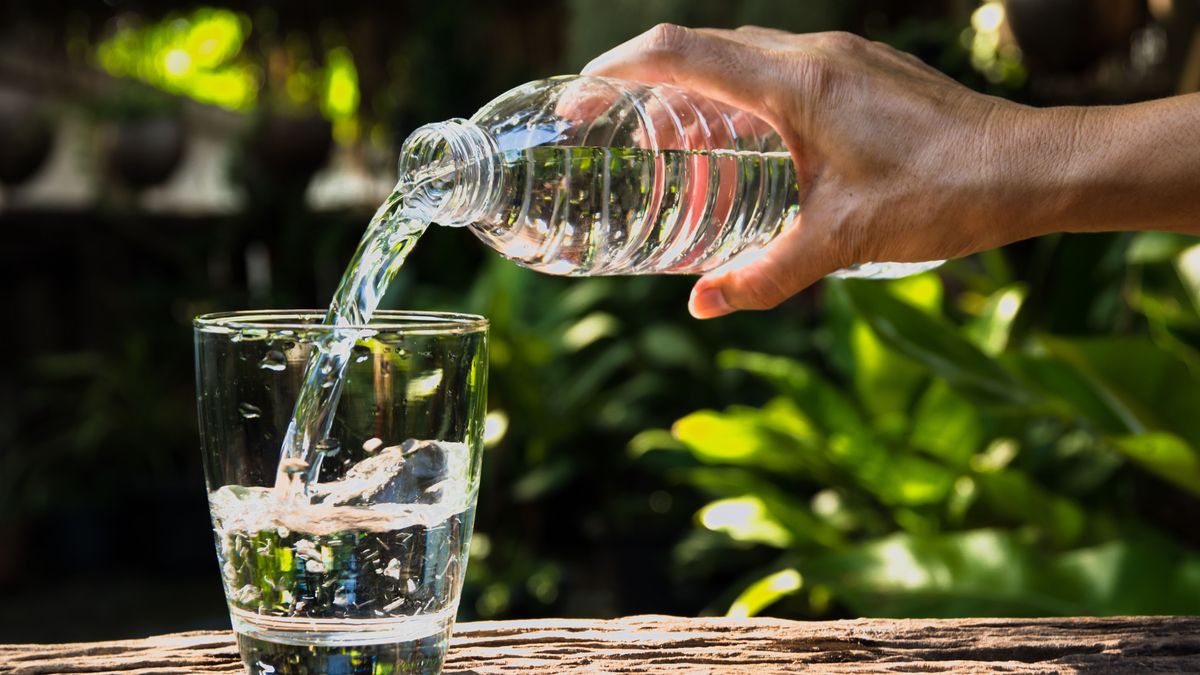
(896, 162)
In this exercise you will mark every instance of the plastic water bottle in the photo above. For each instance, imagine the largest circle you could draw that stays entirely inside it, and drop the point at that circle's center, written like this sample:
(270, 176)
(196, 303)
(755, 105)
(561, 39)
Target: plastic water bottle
(596, 176)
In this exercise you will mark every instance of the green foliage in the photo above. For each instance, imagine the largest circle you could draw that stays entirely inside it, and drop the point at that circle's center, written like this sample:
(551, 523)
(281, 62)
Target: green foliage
(952, 464)
(578, 367)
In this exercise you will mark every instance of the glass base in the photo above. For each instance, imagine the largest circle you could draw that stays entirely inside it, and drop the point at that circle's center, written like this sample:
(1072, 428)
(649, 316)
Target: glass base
(331, 647)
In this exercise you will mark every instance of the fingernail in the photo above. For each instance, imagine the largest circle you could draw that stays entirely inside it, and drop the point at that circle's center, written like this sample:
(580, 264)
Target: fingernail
(708, 303)
(598, 64)
(595, 64)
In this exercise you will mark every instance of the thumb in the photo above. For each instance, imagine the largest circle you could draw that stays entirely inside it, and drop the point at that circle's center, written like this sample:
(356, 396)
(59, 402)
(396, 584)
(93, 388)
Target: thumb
(762, 279)
(733, 72)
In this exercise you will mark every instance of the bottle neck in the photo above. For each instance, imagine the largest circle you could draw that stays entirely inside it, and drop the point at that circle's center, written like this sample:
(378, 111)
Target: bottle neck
(452, 169)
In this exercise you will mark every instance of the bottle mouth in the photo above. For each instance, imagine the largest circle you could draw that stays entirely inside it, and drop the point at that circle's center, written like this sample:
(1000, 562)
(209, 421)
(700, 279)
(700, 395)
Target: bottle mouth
(450, 169)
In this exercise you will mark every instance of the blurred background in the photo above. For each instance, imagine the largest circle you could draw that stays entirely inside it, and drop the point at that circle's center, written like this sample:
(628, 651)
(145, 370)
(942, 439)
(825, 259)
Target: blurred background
(1016, 434)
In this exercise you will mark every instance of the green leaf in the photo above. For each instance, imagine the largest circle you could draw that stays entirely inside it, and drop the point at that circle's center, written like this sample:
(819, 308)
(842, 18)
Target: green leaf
(653, 439)
(778, 438)
(1167, 456)
(991, 330)
(1145, 573)
(981, 572)
(582, 296)
(765, 592)
(816, 397)
(1070, 393)
(791, 513)
(1188, 267)
(1155, 247)
(947, 426)
(544, 479)
(892, 477)
(591, 377)
(668, 345)
(1014, 496)
(935, 344)
(1147, 387)
(745, 518)
(997, 573)
(923, 291)
(885, 381)
(589, 329)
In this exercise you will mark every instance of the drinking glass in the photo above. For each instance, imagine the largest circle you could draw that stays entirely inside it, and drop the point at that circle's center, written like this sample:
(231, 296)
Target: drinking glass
(361, 570)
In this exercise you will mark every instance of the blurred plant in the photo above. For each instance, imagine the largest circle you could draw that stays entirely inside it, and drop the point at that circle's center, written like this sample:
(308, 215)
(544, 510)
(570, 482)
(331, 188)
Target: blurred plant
(994, 53)
(955, 467)
(203, 55)
(85, 463)
(578, 366)
(196, 55)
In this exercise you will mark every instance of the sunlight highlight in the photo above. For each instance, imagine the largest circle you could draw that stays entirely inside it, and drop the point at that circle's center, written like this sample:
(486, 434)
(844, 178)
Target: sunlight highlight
(765, 592)
(745, 519)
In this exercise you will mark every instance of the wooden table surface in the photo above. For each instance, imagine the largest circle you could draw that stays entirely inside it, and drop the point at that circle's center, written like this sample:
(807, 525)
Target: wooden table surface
(661, 644)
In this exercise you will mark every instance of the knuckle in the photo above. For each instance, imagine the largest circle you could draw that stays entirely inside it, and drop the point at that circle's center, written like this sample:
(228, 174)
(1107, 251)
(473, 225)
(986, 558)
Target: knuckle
(815, 74)
(668, 37)
(759, 290)
(841, 41)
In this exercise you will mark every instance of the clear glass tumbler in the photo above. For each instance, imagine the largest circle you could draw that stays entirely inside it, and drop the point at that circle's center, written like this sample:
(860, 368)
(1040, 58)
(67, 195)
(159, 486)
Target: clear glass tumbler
(362, 572)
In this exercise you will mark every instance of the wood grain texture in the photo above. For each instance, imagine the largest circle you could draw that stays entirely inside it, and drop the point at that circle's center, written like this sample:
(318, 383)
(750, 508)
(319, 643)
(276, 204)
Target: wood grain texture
(660, 644)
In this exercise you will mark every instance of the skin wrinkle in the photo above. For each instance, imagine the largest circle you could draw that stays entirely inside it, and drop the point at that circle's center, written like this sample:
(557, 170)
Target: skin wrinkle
(898, 162)
(1076, 125)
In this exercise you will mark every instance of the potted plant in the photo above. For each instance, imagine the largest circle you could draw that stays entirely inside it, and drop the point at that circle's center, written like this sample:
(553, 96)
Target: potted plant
(141, 136)
(26, 136)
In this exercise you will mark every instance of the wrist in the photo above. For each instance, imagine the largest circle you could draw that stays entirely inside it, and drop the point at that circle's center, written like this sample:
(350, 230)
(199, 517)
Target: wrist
(1109, 168)
(1043, 168)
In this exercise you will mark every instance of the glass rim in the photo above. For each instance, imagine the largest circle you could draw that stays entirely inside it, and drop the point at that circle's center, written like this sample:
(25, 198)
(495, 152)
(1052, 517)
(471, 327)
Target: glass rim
(308, 320)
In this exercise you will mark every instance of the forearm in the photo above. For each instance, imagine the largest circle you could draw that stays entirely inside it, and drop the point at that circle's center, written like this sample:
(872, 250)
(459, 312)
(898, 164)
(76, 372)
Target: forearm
(1109, 168)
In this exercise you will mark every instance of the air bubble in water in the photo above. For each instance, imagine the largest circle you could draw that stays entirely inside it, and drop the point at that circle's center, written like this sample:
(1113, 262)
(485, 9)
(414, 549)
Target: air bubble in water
(362, 357)
(273, 360)
(249, 411)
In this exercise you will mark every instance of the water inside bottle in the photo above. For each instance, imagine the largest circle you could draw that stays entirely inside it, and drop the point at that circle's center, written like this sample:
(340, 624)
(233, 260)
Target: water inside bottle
(584, 211)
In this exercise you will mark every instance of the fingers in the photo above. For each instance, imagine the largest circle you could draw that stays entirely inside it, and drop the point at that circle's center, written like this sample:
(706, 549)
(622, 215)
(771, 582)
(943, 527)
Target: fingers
(731, 71)
(763, 279)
